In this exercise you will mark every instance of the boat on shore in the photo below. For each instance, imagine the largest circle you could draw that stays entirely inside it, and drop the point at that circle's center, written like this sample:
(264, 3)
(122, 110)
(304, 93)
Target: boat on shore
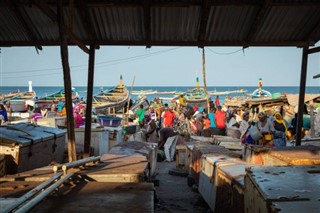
(196, 97)
(116, 98)
(59, 95)
(260, 93)
(20, 102)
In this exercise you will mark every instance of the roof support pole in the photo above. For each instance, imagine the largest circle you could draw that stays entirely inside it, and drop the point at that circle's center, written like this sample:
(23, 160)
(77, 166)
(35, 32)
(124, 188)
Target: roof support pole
(87, 136)
(67, 82)
(302, 94)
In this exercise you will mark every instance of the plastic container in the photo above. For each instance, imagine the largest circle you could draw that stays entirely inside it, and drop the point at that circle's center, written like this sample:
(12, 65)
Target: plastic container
(276, 95)
(129, 130)
(109, 121)
(255, 133)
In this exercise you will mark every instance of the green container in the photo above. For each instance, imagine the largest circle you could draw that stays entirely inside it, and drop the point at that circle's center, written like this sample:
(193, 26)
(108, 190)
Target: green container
(276, 95)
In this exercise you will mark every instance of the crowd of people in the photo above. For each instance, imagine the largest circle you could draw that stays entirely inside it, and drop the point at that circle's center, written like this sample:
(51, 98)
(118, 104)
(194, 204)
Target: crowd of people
(164, 122)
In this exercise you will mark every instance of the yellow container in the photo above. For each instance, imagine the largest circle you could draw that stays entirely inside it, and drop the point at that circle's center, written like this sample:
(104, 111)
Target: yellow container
(267, 137)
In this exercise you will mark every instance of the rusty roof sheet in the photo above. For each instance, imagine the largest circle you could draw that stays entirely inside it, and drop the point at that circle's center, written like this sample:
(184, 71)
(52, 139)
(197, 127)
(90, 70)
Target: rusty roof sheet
(293, 99)
(163, 22)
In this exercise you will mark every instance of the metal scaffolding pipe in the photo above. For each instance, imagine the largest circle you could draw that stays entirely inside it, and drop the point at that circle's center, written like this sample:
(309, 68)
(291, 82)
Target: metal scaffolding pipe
(76, 163)
(29, 205)
(31, 193)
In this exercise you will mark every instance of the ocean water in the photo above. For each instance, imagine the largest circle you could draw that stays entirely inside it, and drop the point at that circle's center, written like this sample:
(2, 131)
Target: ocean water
(43, 91)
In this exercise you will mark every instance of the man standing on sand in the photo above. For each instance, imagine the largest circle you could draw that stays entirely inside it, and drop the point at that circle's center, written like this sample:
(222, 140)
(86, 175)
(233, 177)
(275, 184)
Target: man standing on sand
(217, 101)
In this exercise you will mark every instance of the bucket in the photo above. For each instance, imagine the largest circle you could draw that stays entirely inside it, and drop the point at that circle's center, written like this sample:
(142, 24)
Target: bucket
(255, 133)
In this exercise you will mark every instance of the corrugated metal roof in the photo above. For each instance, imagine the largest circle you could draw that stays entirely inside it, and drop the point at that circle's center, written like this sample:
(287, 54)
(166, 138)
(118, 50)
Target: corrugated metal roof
(163, 22)
(293, 99)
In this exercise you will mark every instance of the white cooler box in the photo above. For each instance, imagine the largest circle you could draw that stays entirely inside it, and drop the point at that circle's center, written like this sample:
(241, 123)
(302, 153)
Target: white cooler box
(27, 146)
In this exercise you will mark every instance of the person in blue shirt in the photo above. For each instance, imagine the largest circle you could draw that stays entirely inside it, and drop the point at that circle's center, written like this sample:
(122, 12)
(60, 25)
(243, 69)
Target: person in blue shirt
(3, 114)
(211, 118)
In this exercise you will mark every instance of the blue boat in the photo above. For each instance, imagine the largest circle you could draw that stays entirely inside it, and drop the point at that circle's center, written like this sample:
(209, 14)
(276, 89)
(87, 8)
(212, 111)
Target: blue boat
(260, 93)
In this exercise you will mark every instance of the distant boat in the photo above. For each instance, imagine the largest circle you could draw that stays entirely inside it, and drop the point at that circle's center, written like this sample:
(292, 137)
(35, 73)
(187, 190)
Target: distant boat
(196, 96)
(115, 97)
(59, 95)
(144, 92)
(20, 102)
(260, 93)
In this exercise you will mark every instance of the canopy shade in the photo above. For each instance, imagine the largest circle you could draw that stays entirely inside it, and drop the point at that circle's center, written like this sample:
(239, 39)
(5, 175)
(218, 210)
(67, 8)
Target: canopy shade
(163, 23)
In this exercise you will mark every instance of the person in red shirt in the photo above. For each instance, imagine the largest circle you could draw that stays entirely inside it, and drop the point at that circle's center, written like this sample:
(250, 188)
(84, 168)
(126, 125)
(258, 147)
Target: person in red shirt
(217, 101)
(168, 118)
(220, 118)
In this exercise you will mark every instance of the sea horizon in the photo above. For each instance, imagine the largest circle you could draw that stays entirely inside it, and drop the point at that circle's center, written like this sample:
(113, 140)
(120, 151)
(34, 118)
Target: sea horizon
(42, 91)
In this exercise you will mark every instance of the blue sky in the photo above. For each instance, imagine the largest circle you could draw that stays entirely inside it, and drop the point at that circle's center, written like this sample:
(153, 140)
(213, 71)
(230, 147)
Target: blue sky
(160, 66)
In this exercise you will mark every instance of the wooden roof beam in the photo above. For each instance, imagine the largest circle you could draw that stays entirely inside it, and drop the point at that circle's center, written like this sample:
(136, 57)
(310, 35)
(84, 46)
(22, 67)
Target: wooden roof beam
(314, 50)
(147, 22)
(258, 21)
(167, 43)
(24, 22)
(205, 10)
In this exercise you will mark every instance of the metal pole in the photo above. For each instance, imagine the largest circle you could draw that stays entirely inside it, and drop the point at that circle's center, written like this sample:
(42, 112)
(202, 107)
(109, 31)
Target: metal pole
(301, 94)
(42, 195)
(31, 193)
(76, 163)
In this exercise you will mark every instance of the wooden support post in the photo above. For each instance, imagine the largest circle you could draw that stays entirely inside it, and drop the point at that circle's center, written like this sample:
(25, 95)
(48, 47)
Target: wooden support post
(87, 136)
(302, 91)
(204, 79)
(67, 83)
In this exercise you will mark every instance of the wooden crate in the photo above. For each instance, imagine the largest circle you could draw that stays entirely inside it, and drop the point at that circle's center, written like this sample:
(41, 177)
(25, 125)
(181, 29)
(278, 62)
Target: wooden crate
(181, 155)
(230, 187)
(208, 175)
(253, 154)
(200, 150)
(29, 146)
(87, 197)
(282, 189)
(281, 156)
(147, 149)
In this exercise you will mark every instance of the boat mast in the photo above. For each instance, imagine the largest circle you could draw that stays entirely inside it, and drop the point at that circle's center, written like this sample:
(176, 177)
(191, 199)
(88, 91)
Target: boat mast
(204, 79)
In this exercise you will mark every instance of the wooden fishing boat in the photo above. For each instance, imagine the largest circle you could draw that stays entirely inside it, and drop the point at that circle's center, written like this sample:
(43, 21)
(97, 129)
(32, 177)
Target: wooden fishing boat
(20, 102)
(260, 93)
(115, 98)
(144, 92)
(59, 95)
(196, 96)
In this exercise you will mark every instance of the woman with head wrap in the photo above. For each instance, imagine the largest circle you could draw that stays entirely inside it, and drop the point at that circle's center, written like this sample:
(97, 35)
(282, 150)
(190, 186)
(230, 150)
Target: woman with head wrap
(244, 129)
(266, 129)
(232, 125)
(280, 130)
